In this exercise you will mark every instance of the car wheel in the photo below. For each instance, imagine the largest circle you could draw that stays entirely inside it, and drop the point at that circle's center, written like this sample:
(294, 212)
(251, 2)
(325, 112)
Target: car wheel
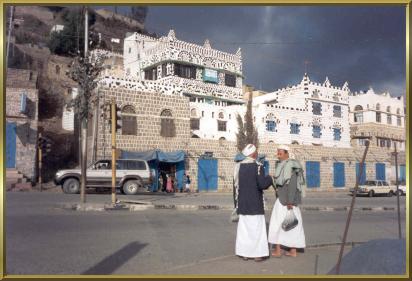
(131, 187)
(71, 186)
(390, 194)
(400, 192)
(371, 193)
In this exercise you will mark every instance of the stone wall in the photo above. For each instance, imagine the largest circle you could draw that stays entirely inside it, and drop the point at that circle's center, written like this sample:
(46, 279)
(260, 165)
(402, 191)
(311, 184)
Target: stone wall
(26, 128)
(148, 107)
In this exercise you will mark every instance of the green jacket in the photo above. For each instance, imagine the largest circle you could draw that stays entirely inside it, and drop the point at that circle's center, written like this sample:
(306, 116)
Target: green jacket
(290, 182)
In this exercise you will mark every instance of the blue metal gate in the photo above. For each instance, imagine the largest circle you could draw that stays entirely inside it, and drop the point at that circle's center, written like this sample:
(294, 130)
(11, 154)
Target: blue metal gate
(380, 171)
(402, 173)
(207, 174)
(339, 174)
(10, 145)
(363, 177)
(180, 174)
(313, 174)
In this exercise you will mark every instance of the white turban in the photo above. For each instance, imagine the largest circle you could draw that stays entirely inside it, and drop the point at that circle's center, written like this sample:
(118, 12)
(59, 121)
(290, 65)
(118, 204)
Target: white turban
(284, 147)
(249, 150)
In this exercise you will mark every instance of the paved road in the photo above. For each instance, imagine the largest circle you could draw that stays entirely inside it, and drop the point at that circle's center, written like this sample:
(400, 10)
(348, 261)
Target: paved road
(330, 199)
(41, 239)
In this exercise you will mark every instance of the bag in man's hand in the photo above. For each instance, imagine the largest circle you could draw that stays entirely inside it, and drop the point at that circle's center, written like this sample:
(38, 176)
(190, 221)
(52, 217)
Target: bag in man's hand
(234, 217)
(290, 221)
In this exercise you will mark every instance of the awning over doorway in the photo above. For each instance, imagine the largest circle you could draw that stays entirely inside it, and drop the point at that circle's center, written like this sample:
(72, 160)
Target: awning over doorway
(161, 156)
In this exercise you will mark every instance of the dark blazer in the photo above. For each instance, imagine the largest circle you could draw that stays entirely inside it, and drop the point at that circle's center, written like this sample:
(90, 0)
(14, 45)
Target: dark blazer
(251, 185)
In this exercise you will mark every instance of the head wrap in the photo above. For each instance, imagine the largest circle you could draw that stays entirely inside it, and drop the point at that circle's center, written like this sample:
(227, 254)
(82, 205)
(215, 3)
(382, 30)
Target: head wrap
(249, 150)
(284, 147)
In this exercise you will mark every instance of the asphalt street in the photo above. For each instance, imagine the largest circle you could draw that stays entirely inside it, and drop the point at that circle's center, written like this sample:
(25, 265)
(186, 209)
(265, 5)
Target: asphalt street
(43, 239)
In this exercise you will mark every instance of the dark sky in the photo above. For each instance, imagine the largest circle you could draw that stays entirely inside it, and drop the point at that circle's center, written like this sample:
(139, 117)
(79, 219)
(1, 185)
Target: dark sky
(364, 45)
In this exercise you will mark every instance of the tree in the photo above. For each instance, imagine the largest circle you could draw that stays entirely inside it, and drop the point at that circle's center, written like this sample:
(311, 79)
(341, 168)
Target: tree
(85, 71)
(241, 135)
(247, 132)
(70, 40)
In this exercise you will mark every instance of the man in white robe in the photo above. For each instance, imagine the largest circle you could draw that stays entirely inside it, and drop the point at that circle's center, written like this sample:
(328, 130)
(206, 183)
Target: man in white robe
(249, 183)
(290, 185)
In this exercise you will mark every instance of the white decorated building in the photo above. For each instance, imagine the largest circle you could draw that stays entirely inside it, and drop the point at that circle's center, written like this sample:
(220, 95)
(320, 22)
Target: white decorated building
(308, 113)
(212, 79)
(378, 118)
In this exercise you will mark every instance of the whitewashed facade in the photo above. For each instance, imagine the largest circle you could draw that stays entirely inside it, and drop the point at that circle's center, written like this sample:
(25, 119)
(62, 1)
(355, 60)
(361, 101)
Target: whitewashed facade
(308, 113)
(212, 79)
(68, 115)
(379, 118)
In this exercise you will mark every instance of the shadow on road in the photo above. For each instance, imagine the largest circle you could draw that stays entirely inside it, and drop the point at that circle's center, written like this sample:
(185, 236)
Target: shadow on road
(116, 260)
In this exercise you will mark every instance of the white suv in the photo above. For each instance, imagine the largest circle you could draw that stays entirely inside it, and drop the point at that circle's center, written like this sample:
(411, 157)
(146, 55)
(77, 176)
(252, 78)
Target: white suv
(132, 175)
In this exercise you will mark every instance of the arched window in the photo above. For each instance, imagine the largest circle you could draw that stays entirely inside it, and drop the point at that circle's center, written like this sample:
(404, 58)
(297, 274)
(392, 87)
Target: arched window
(221, 115)
(315, 94)
(194, 136)
(193, 113)
(358, 108)
(398, 111)
(358, 116)
(378, 106)
(57, 69)
(336, 97)
(129, 120)
(388, 109)
(270, 123)
(167, 124)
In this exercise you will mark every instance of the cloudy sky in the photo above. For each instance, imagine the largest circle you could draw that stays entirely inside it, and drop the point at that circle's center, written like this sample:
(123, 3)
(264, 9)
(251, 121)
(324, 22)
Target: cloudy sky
(362, 45)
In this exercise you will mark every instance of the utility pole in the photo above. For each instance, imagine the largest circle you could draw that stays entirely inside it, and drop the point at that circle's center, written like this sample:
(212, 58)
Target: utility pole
(397, 193)
(9, 35)
(113, 113)
(84, 121)
(40, 163)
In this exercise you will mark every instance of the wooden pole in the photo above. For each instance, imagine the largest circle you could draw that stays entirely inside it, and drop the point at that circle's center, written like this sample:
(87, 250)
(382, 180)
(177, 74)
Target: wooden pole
(355, 191)
(40, 165)
(113, 112)
(83, 162)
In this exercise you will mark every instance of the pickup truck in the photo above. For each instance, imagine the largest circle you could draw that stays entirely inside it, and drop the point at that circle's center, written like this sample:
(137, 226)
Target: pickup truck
(374, 187)
(132, 175)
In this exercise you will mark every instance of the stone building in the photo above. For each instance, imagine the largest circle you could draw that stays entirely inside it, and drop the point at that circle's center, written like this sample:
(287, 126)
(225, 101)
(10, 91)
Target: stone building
(174, 96)
(378, 118)
(212, 79)
(308, 113)
(21, 121)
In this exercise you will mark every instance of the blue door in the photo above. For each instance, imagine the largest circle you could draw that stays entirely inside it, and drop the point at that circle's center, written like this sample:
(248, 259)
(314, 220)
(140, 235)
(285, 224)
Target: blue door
(313, 174)
(380, 171)
(363, 177)
(402, 173)
(180, 174)
(207, 175)
(266, 167)
(339, 174)
(10, 145)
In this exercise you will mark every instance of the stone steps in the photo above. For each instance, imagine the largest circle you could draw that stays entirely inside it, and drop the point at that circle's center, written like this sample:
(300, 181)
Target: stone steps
(16, 181)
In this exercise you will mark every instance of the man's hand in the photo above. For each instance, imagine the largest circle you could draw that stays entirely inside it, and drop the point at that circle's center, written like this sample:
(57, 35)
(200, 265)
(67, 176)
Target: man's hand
(290, 206)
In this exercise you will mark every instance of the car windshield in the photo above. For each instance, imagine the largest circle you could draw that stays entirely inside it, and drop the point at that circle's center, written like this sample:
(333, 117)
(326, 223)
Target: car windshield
(370, 183)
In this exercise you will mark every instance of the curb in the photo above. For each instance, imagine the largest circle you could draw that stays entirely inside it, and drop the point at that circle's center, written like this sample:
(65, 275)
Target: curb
(149, 206)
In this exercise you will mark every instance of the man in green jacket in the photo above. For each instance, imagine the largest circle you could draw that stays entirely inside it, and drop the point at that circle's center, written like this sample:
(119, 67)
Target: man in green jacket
(290, 186)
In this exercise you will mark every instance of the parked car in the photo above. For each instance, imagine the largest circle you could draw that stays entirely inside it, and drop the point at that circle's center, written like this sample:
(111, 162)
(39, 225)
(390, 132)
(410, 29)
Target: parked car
(402, 188)
(374, 187)
(132, 175)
